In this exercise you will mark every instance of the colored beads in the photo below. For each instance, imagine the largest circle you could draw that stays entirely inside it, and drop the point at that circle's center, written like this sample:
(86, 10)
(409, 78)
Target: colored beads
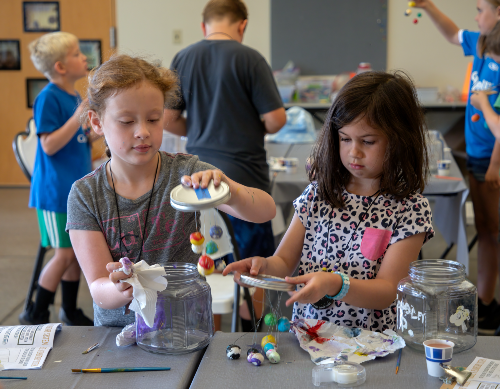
(205, 265)
(415, 21)
(197, 248)
(220, 264)
(475, 117)
(269, 346)
(408, 12)
(233, 351)
(267, 339)
(411, 4)
(196, 238)
(273, 356)
(252, 350)
(283, 324)
(270, 319)
(255, 359)
(212, 247)
(215, 232)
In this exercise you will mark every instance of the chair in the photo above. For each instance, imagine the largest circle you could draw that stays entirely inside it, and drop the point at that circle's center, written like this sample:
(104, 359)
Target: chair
(24, 146)
(225, 292)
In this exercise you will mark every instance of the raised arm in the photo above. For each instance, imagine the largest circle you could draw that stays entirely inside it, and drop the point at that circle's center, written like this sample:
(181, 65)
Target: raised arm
(94, 257)
(443, 23)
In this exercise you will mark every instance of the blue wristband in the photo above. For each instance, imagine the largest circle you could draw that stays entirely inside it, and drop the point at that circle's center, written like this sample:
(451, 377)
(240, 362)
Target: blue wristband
(343, 290)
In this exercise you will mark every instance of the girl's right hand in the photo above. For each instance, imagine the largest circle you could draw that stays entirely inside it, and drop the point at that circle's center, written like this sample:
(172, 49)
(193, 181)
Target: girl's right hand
(115, 277)
(252, 265)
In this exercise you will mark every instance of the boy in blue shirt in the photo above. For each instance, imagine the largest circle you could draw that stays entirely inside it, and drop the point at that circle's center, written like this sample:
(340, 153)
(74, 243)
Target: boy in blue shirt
(63, 156)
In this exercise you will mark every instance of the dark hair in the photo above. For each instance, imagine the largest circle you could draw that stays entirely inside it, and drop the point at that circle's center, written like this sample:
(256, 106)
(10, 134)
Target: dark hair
(492, 41)
(122, 72)
(387, 102)
(236, 10)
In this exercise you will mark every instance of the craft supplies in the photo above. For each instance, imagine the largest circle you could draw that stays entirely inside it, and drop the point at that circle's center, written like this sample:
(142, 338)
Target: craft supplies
(267, 339)
(283, 324)
(255, 359)
(233, 351)
(183, 321)
(211, 248)
(196, 238)
(127, 336)
(206, 265)
(273, 356)
(345, 374)
(252, 350)
(399, 360)
(437, 352)
(270, 319)
(93, 347)
(444, 166)
(436, 301)
(269, 346)
(119, 369)
(460, 375)
(475, 117)
(188, 199)
(215, 232)
(266, 282)
(13, 378)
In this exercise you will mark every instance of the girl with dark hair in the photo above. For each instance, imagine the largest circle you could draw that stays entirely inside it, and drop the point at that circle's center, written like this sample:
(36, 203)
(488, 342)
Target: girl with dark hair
(362, 220)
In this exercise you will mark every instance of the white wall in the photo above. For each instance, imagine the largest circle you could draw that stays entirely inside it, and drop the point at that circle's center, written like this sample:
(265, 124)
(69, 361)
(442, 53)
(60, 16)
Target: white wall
(146, 27)
(420, 48)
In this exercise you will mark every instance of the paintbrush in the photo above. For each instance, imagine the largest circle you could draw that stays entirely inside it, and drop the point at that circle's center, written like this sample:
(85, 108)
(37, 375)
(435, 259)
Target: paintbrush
(119, 369)
(399, 360)
(13, 378)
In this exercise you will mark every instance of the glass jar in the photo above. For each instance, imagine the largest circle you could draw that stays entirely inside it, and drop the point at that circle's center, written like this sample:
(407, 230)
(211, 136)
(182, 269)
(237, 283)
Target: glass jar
(183, 321)
(436, 301)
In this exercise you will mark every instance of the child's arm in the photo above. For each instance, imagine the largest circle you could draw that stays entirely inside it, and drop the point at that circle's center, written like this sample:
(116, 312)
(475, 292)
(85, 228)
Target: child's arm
(378, 293)
(246, 203)
(54, 141)
(97, 265)
(492, 176)
(174, 122)
(480, 101)
(443, 23)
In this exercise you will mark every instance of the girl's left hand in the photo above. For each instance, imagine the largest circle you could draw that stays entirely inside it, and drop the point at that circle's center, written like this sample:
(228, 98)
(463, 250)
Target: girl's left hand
(478, 98)
(317, 285)
(202, 179)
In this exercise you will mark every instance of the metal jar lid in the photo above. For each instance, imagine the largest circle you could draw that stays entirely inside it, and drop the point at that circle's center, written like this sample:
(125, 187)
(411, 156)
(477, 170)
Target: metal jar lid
(267, 282)
(189, 200)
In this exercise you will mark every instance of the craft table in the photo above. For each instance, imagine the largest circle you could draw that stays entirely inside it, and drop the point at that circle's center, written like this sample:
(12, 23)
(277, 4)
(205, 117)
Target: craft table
(68, 346)
(295, 368)
(449, 195)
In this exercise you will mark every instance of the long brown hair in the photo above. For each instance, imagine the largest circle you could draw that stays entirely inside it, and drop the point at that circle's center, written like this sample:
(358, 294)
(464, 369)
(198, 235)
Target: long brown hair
(481, 43)
(122, 72)
(492, 41)
(389, 103)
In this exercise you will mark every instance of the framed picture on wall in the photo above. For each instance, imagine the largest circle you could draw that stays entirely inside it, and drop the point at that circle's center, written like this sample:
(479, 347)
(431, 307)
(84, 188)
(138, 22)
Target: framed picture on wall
(10, 56)
(92, 50)
(41, 16)
(33, 88)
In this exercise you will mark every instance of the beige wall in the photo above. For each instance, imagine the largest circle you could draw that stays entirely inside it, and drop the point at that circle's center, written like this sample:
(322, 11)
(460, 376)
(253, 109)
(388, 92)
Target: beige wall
(146, 27)
(418, 49)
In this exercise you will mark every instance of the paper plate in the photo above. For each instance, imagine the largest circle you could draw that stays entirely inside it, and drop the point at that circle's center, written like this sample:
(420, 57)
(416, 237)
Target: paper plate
(189, 199)
(267, 282)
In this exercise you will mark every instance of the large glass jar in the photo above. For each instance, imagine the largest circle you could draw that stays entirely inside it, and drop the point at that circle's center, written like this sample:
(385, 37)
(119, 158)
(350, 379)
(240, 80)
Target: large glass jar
(436, 301)
(183, 321)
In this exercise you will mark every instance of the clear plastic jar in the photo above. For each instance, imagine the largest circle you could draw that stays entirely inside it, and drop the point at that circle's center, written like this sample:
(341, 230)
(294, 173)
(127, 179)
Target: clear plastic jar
(183, 320)
(436, 301)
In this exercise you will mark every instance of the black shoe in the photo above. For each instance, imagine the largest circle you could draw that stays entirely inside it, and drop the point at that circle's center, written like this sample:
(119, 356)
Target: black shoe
(488, 318)
(27, 317)
(75, 318)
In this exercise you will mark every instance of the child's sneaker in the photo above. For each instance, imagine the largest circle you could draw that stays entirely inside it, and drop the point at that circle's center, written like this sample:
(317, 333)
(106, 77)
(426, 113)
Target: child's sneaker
(75, 318)
(488, 317)
(27, 317)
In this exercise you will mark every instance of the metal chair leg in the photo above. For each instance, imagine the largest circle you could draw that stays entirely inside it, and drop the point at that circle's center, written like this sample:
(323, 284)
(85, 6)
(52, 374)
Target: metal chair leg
(37, 269)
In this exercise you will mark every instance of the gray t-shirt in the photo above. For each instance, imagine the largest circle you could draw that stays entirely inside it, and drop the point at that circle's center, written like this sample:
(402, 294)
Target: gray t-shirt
(225, 87)
(92, 207)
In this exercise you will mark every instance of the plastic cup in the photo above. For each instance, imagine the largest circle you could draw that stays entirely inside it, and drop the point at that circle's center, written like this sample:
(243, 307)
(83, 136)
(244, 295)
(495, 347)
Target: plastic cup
(444, 167)
(438, 351)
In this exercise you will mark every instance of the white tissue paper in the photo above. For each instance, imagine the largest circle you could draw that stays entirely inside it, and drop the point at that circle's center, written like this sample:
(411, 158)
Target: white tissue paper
(127, 336)
(147, 281)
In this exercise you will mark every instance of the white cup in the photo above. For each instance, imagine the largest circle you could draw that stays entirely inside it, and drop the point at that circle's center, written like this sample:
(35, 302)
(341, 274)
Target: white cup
(435, 355)
(444, 167)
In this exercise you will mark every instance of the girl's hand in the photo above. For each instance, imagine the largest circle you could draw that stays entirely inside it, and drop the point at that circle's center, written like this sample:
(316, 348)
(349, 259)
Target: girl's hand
(252, 265)
(317, 285)
(115, 277)
(201, 179)
(492, 177)
(421, 3)
(478, 99)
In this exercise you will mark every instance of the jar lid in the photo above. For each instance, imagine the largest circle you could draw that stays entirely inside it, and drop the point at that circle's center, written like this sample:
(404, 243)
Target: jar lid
(187, 199)
(267, 282)
(345, 374)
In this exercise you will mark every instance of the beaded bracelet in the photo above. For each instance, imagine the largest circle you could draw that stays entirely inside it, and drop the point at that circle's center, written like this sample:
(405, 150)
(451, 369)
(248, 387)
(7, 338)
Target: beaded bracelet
(343, 290)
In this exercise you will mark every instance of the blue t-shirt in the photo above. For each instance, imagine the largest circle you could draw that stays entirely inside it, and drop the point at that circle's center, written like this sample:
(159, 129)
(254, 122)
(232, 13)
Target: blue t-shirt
(53, 175)
(485, 75)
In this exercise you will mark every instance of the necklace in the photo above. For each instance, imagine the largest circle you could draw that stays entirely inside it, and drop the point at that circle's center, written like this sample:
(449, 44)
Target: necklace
(145, 220)
(223, 33)
(325, 302)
